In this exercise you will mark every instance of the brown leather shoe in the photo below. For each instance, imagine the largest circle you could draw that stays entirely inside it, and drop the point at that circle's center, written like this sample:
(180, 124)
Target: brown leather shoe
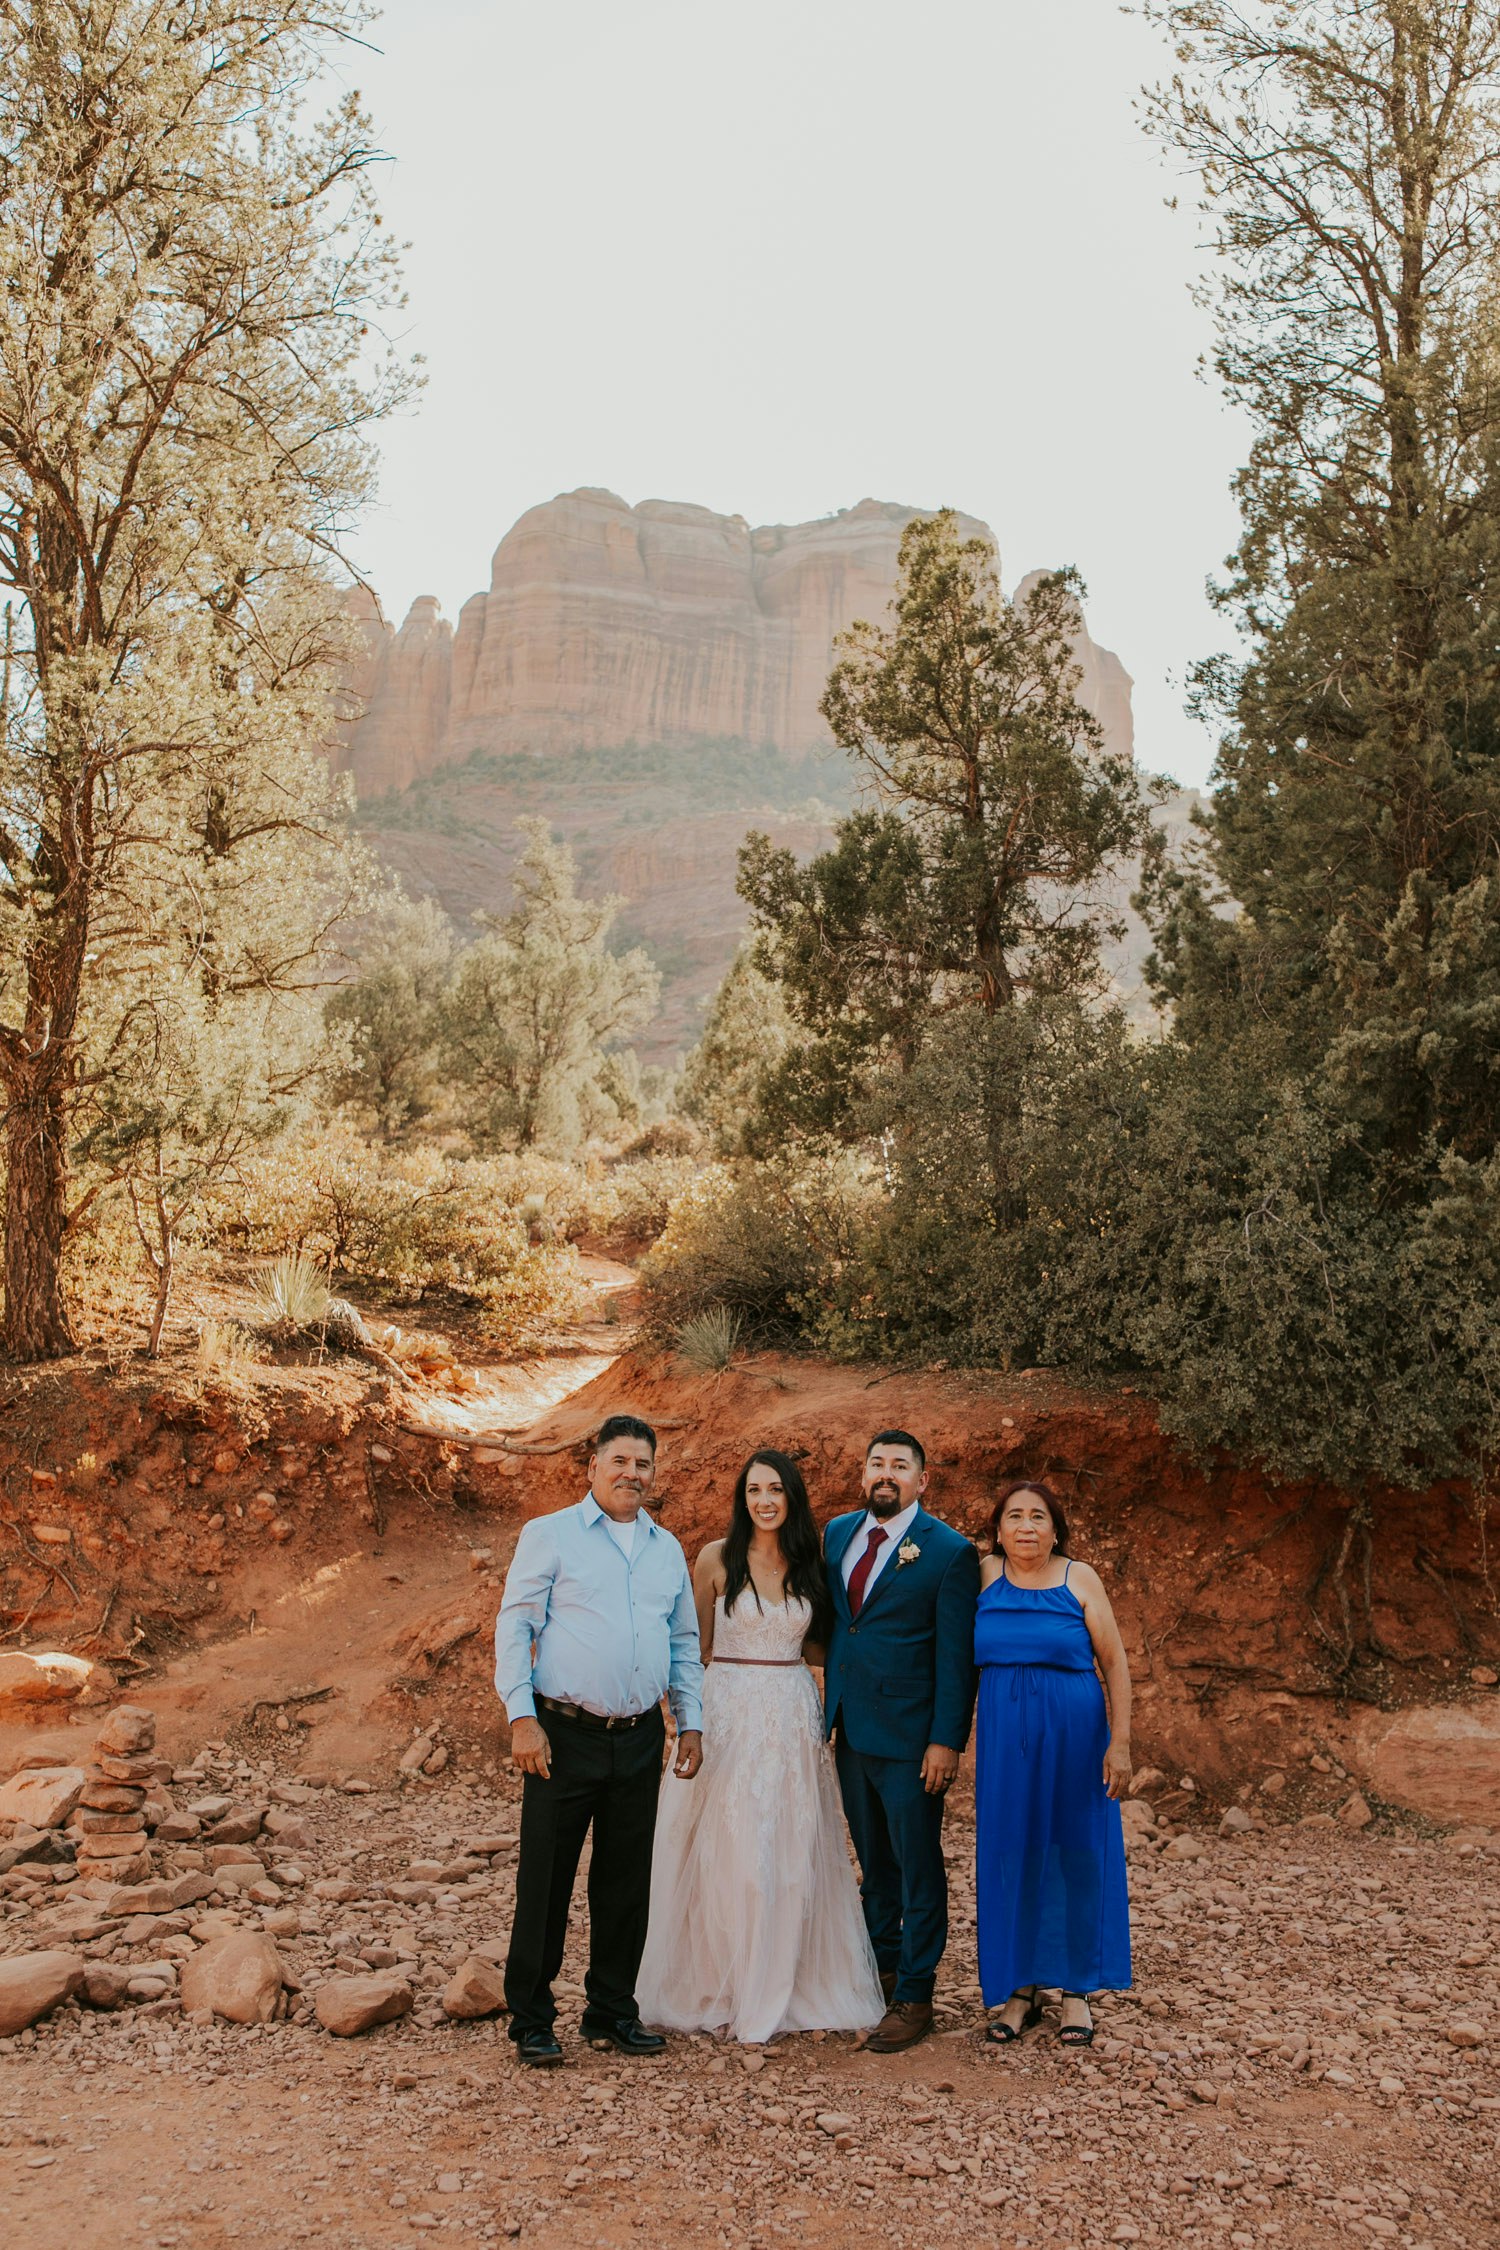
(903, 2024)
(888, 1984)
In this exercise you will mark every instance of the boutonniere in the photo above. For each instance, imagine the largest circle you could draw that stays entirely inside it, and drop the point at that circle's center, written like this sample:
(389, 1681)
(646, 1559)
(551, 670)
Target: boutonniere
(908, 1551)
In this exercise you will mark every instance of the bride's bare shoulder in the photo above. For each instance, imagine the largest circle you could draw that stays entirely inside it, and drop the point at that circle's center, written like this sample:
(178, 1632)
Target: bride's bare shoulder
(710, 1563)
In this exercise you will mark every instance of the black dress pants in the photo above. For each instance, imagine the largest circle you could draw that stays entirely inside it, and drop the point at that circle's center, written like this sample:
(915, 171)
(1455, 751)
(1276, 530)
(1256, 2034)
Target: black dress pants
(610, 1779)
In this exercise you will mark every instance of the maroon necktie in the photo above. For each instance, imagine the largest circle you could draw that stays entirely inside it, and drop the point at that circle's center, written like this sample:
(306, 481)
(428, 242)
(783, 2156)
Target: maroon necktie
(859, 1576)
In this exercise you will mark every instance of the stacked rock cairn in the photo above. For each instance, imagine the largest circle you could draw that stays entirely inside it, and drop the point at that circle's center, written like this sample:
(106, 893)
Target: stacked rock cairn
(109, 1822)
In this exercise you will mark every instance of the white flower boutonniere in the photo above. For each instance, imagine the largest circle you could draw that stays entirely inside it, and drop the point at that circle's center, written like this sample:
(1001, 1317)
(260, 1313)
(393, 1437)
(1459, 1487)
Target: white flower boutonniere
(908, 1551)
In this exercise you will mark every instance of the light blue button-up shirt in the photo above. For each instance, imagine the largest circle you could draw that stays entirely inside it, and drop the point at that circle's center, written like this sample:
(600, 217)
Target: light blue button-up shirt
(582, 1624)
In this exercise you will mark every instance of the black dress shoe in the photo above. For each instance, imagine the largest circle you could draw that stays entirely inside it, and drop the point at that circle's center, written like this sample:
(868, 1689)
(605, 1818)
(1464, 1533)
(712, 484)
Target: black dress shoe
(539, 2048)
(629, 2035)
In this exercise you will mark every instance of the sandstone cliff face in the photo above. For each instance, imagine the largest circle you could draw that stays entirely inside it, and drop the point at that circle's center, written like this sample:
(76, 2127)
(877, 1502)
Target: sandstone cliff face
(664, 626)
(398, 697)
(606, 624)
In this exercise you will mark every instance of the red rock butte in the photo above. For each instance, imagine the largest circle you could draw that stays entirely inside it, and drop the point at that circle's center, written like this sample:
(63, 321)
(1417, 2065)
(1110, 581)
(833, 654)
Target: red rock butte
(607, 624)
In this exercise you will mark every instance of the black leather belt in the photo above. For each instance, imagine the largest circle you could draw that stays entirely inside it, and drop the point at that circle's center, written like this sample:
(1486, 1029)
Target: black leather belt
(582, 1718)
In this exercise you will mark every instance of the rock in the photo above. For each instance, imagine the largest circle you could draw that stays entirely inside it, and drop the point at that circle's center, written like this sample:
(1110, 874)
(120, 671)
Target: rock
(1354, 1812)
(165, 1897)
(290, 1829)
(1464, 2033)
(127, 1873)
(238, 1977)
(31, 1679)
(1184, 1847)
(130, 1844)
(834, 2121)
(42, 1797)
(1484, 1675)
(241, 1826)
(129, 1731)
(32, 1984)
(106, 1984)
(1234, 1822)
(1273, 1783)
(218, 1856)
(99, 1795)
(178, 1828)
(476, 1988)
(1148, 1782)
(348, 2005)
(1441, 1760)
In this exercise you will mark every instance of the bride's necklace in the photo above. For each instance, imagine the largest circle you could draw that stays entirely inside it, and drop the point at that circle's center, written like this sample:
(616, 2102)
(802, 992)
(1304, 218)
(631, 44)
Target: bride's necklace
(775, 1572)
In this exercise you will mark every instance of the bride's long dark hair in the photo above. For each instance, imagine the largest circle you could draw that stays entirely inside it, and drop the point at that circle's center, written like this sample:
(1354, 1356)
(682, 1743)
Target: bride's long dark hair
(801, 1548)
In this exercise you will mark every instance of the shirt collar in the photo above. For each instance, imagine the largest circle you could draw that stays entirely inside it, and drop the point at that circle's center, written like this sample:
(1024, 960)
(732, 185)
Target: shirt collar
(593, 1513)
(894, 1527)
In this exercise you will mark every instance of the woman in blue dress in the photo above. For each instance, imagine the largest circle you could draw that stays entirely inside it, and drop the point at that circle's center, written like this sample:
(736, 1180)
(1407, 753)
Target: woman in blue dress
(1052, 1758)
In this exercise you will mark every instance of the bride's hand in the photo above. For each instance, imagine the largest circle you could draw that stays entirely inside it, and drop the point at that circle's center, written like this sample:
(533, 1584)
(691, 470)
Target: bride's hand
(689, 1755)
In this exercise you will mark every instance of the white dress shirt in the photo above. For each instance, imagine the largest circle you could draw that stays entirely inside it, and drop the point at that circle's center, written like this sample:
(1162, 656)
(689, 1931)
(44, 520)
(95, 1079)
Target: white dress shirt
(895, 1529)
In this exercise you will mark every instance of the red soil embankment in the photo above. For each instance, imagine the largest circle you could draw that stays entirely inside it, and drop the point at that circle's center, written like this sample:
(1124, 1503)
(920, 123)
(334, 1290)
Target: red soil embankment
(224, 1543)
(1225, 1586)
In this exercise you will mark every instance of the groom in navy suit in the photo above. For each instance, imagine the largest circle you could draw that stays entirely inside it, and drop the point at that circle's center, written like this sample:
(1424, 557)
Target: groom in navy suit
(900, 1696)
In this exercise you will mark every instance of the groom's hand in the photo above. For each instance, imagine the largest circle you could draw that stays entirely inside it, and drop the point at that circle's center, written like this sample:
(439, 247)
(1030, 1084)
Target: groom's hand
(530, 1748)
(689, 1754)
(939, 1765)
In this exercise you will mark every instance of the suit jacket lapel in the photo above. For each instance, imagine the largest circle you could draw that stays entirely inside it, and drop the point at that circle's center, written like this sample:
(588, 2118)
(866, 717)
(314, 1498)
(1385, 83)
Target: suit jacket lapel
(837, 1550)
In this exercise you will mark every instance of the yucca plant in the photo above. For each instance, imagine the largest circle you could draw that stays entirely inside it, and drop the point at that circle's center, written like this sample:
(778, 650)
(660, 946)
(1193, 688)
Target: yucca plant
(291, 1294)
(708, 1340)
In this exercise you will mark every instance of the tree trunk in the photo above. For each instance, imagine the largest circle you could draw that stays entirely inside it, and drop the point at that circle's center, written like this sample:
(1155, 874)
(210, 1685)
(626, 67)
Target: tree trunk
(36, 1207)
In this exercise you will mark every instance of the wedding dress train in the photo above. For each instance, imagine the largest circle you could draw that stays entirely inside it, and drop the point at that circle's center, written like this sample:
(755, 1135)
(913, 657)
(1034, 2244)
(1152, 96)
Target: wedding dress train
(756, 1926)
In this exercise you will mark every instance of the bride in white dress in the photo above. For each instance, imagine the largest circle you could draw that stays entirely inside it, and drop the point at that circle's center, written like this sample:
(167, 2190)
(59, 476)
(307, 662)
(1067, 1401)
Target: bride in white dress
(756, 1925)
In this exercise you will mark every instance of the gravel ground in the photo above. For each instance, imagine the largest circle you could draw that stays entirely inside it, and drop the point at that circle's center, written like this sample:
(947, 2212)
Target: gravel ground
(1308, 2056)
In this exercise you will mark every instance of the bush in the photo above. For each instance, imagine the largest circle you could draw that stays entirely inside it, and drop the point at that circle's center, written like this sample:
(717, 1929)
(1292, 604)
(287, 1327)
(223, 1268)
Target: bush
(765, 1241)
(407, 1222)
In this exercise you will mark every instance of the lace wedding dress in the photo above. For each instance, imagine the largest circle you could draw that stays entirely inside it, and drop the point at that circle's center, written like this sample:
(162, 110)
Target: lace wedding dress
(756, 1926)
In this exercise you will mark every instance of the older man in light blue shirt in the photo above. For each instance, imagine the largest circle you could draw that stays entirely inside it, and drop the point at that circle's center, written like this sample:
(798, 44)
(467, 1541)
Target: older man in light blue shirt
(596, 1625)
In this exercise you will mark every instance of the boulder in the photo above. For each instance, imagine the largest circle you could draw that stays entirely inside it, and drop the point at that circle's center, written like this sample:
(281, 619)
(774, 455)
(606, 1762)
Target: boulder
(128, 1732)
(476, 1988)
(348, 2005)
(238, 1977)
(44, 1797)
(32, 1984)
(1441, 1760)
(33, 1679)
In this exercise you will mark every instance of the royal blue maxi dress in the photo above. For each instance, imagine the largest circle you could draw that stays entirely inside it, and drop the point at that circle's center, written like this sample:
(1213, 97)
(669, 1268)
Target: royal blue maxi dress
(1051, 1852)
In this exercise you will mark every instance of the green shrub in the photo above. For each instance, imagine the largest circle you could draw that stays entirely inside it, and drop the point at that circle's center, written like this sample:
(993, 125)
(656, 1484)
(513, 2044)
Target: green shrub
(765, 1241)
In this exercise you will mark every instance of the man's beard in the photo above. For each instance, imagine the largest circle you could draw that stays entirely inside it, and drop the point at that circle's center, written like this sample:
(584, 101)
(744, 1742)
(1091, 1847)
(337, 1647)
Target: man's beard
(885, 1501)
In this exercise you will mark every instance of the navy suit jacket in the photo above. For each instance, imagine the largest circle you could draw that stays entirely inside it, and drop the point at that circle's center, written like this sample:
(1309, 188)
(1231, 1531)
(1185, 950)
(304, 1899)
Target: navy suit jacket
(901, 1674)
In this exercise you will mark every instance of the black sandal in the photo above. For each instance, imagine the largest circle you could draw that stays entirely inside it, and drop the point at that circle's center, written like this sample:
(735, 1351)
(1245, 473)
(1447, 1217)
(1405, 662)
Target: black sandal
(1077, 2034)
(1000, 2033)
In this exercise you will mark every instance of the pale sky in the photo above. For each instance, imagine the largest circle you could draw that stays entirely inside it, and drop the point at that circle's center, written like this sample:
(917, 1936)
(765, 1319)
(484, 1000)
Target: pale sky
(774, 257)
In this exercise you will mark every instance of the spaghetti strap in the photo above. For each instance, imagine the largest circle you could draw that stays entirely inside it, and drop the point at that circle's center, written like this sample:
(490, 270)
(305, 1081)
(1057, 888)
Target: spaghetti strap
(1067, 1566)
